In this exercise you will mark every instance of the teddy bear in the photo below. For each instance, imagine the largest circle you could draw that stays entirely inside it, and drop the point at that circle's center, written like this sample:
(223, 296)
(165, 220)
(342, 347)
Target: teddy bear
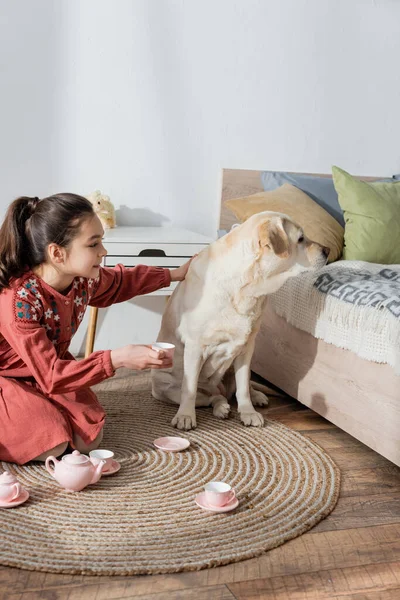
(104, 209)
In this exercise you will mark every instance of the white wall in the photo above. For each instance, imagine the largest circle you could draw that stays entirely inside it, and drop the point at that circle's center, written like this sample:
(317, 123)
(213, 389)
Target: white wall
(148, 99)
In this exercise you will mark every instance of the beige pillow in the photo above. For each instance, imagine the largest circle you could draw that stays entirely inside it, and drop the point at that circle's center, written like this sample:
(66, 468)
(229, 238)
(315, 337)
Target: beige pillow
(317, 224)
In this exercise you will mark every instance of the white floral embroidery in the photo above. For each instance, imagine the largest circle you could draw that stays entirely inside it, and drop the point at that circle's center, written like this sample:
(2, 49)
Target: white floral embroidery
(76, 285)
(37, 303)
(34, 317)
(33, 282)
(56, 317)
(90, 282)
(81, 279)
(38, 295)
(78, 301)
(48, 313)
(22, 293)
(80, 316)
(47, 326)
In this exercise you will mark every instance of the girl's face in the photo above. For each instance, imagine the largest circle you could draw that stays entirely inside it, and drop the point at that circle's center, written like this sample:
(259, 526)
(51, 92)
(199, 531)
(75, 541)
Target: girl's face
(84, 255)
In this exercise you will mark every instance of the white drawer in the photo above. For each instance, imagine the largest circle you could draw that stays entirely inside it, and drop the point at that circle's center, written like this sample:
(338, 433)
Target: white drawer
(167, 291)
(136, 249)
(151, 261)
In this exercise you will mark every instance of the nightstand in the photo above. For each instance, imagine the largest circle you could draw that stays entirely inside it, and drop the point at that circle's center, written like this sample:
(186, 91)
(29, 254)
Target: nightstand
(166, 247)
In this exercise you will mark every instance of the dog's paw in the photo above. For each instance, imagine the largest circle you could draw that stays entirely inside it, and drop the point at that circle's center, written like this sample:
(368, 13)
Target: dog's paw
(258, 398)
(252, 419)
(220, 406)
(185, 422)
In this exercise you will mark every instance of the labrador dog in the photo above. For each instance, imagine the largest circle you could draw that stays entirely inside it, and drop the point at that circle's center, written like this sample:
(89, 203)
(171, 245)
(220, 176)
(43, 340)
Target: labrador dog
(214, 315)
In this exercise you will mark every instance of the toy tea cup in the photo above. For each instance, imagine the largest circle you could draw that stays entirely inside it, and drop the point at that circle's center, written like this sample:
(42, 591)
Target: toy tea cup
(218, 493)
(74, 471)
(168, 349)
(96, 456)
(10, 489)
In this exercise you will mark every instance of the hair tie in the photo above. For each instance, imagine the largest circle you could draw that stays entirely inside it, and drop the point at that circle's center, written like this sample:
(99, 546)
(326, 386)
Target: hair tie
(32, 204)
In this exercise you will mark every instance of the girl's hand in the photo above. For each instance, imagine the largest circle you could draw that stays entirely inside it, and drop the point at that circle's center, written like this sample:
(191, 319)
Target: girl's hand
(179, 274)
(139, 357)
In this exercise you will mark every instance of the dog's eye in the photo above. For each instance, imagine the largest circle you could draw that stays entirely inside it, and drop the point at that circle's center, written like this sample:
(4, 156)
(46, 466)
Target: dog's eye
(301, 239)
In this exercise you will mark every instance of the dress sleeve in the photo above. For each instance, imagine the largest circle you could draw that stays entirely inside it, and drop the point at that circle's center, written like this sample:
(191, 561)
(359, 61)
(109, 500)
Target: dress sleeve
(120, 283)
(22, 329)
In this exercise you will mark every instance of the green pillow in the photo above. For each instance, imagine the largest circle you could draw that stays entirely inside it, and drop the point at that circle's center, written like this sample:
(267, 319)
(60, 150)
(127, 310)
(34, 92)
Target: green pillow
(372, 218)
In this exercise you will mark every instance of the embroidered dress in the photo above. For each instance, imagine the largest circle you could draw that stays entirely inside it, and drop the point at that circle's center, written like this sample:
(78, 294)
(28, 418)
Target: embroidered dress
(45, 394)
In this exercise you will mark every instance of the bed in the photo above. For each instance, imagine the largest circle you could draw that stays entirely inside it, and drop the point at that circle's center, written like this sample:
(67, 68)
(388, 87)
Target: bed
(360, 396)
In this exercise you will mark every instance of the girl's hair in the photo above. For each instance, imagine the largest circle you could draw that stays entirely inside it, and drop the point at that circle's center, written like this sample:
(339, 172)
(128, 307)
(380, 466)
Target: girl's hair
(31, 225)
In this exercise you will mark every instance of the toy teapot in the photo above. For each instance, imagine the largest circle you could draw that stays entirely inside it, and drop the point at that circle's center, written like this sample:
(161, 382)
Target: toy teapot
(10, 489)
(74, 471)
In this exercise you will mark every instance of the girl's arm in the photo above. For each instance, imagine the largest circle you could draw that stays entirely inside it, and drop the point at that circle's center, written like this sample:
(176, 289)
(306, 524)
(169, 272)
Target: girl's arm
(53, 374)
(120, 283)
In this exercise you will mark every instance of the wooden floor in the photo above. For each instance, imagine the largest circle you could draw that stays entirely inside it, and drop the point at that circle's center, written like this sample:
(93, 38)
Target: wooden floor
(354, 554)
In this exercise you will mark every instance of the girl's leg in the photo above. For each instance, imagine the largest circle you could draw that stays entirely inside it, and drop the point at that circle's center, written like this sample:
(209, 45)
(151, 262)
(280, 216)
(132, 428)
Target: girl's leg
(86, 417)
(30, 425)
(80, 445)
(57, 451)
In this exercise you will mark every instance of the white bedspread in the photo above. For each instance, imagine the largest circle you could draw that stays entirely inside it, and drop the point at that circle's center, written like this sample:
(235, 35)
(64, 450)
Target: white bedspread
(352, 304)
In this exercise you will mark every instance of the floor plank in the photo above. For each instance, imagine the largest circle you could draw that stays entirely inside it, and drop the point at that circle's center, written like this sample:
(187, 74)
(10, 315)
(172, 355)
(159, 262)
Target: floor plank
(393, 594)
(299, 420)
(364, 482)
(352, 512)
(356, 457)
(220, 592)
(317, 552)
(321, 585)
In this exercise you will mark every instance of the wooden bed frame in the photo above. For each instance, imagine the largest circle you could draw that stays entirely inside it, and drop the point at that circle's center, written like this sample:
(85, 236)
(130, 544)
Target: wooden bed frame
(359, 396)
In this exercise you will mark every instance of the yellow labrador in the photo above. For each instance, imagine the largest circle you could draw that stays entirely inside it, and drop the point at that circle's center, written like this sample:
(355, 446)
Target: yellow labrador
(214, 315)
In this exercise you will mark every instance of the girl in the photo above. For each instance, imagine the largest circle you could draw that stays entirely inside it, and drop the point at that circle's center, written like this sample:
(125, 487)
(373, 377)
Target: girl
(50, 255)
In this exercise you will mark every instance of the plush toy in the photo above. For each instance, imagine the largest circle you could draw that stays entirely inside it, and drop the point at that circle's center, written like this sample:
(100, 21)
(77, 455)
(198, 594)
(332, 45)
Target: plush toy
(104, 209)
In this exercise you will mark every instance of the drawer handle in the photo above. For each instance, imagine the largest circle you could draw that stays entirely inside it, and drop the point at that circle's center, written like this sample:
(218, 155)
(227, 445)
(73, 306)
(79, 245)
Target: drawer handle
(152, 253)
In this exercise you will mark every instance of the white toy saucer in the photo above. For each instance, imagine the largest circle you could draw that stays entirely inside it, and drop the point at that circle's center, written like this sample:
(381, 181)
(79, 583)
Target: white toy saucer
(171, 444)
(23, 497)
(115, 467)
(201, 501)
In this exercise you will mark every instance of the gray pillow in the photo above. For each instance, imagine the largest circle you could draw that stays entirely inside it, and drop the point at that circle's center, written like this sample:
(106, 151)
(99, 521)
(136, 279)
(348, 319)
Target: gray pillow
(320, 189)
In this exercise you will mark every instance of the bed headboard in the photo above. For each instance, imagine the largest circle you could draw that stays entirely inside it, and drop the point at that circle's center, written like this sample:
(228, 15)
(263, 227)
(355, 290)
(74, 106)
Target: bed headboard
(242, 182)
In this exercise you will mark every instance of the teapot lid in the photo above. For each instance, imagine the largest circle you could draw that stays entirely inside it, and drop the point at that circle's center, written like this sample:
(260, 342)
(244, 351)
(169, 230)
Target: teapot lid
(76, 458)
(7, 477)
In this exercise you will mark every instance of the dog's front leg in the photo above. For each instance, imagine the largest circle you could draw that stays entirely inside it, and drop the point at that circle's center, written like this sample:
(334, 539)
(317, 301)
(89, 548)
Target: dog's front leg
(185, 418)
(248, 415)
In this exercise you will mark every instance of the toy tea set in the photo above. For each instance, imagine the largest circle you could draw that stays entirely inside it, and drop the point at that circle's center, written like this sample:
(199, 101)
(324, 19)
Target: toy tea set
(73, 472)
(76, 471)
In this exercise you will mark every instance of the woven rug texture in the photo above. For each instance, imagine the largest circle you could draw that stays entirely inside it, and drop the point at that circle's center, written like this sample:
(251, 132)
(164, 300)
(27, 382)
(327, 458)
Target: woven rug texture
(144, 519)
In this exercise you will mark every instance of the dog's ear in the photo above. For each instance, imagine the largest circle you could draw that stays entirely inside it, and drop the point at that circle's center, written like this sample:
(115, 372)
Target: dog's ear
(273, 235)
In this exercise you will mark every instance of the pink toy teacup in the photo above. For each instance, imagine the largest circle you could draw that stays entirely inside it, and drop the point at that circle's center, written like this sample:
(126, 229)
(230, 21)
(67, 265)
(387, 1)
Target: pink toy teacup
(218, 493)
(10, 489)
(168, 349)
(98, 455)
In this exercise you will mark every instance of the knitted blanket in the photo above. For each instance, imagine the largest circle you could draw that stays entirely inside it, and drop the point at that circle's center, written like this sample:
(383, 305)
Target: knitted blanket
(351, 304)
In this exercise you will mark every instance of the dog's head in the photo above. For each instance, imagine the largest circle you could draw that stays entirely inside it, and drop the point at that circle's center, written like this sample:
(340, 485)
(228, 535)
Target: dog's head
(282, 240)
(280, 248)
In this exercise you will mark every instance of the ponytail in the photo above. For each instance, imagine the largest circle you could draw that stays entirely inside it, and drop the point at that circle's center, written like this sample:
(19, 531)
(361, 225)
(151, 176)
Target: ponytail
(31, 225)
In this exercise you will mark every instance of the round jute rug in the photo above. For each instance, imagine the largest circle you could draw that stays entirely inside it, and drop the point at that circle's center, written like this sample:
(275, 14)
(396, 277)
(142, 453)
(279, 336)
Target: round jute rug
(143, 519)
